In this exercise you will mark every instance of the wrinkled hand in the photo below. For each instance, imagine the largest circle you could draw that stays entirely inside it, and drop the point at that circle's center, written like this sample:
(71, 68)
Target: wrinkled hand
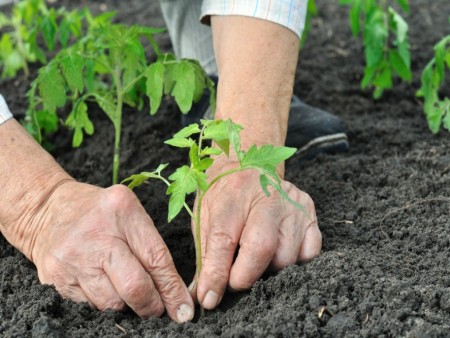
(100, 246)
(269, 232)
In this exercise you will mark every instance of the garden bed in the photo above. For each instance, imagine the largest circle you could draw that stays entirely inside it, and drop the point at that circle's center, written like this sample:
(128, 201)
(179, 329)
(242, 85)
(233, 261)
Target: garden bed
(383, 207)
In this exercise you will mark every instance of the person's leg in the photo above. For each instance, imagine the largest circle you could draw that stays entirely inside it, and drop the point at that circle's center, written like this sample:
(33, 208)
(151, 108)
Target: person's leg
(311, 130)
(190, 39)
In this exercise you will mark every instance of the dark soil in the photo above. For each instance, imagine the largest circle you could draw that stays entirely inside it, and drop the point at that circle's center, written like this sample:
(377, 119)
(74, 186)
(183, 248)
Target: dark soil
(383, 208)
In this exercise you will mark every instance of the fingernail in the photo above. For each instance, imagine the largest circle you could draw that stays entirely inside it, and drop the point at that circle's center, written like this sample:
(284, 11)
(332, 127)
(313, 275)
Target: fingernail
(192, 286)
(184, 313)
(210, 301)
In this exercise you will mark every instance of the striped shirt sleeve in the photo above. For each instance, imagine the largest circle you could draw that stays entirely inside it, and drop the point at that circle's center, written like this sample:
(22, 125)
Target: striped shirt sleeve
(288, 13)
(5, 114)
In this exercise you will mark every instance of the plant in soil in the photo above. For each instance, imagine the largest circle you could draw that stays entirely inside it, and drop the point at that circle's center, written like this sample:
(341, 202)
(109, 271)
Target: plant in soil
(192, 178)
(109, 67)
(29, 21)
(386, 44)
(437, 109)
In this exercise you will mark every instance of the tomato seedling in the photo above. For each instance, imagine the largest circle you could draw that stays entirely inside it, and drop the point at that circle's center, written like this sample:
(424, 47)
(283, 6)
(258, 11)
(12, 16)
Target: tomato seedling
(192, 178)
(436, 110)
(386, 45)
(109, 67)
(30, 20)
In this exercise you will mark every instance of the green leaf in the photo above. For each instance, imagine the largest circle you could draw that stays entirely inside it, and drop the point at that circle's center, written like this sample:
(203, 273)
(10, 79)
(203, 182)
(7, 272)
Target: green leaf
(264, 181)
(183, 90)
(72, 67)
(188, 131)
(51, 88)
(266, 156)
(108, 105)
(48, 28)
(79, 120)
(207, 151)
(154, 85)
(355, 17)
(399, 66)
(47, 121)
(180, 142)
(404, 5)
(184, 182)
(139, 179)
(399, 24)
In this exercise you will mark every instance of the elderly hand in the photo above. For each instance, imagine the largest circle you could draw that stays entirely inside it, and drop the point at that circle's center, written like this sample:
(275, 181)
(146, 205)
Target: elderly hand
(267, 232)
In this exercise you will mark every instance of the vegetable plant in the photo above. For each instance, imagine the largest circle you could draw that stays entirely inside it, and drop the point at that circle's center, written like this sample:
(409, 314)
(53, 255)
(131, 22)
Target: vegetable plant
(109, 67)
(385, 37)
(192, 178)
(437, 109)
(29, 21)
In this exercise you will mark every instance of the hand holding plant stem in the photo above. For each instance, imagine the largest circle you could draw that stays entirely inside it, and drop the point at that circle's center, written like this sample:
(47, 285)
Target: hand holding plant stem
(192, 178)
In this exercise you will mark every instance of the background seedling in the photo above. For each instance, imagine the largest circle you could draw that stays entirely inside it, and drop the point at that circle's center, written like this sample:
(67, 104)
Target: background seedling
(109, 67)
(436, 110)
(385, 37)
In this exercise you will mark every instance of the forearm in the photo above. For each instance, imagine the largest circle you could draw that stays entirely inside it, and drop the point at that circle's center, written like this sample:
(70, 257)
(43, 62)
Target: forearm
(28, 176)
(256, 61)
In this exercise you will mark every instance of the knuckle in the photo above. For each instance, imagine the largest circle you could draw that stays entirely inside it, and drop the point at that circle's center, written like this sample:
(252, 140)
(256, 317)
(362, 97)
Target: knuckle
(134, 287)
(279, 263)
(158, 257)
(120, 196)
(222, 240)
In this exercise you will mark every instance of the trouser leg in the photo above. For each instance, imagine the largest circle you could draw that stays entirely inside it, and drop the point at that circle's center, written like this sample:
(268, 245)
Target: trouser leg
(190, 38)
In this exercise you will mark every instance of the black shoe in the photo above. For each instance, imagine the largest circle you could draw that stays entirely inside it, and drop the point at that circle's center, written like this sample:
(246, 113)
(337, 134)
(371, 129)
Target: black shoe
(314, 131)
(311, 130)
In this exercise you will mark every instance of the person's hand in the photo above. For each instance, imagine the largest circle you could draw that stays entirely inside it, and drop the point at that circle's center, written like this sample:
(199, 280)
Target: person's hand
(267, 231)
(100, 246)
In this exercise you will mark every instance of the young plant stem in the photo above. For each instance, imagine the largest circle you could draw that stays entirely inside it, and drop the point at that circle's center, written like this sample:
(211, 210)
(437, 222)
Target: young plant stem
(198, 240)
(117, 121)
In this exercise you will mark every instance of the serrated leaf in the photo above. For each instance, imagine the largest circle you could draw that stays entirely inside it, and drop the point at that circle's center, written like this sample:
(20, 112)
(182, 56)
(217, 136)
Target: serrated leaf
(48, 28)
(266, 156)
(107, 104)
(154, 84)
(264, 181)
(72, 67)
(207, 151)
(180, 142)
(183, 90)
(47, 121)
(79, 120)
(184, 182)
(51, 88)
(188, 131)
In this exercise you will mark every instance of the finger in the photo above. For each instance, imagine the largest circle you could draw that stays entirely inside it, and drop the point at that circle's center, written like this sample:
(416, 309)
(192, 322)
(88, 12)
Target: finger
(258, 243)
(132, 282)
(152, 253)
(312, 243)
(98, 288)
(224, 229)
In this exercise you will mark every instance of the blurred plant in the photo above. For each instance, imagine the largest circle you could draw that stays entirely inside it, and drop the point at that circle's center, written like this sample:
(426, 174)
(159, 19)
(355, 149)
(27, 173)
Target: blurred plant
(437, 110)
(385, 37)
(29, 21)
(109, 67)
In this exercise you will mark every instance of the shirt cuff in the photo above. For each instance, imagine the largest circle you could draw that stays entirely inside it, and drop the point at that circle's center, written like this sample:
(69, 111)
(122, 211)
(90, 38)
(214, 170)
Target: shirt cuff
(5, 114)
(288, 13)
